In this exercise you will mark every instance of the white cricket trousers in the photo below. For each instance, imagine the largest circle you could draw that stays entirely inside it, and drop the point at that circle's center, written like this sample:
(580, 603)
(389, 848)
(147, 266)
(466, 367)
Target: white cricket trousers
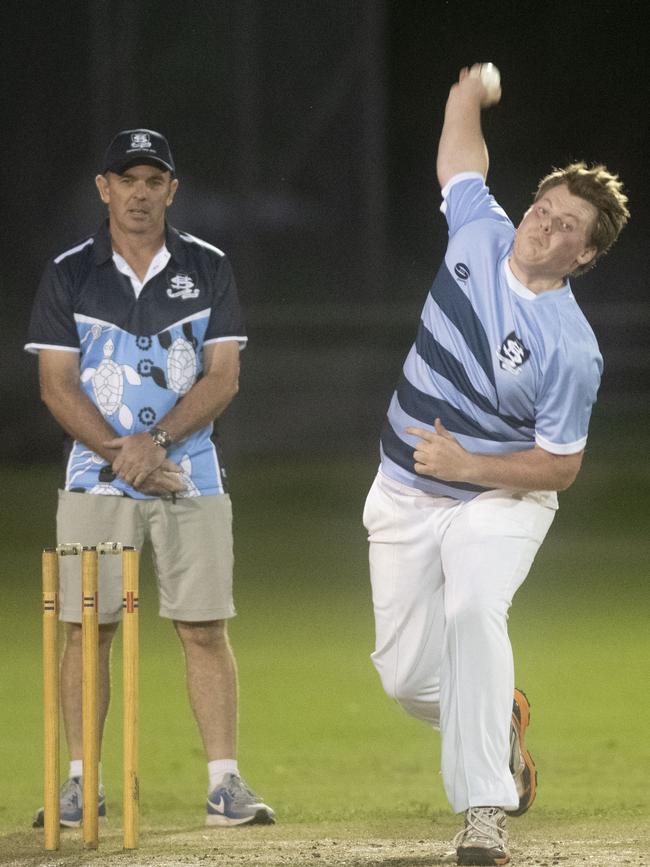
(443, 575)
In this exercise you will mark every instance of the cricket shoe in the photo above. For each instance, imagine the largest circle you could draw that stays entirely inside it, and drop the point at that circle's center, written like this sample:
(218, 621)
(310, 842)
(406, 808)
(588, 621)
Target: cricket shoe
(71, 805)
(483, 840)
(522, 766)
(233, 803)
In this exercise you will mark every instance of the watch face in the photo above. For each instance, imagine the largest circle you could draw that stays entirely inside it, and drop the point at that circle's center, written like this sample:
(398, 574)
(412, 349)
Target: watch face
(161, 438)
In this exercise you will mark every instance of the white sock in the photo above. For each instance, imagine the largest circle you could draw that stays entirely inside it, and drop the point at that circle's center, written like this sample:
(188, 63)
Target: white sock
(218, 768)
(77, 769)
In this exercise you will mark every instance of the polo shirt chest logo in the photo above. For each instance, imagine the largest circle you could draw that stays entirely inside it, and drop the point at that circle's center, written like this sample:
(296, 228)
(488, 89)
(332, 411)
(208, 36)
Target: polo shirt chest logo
(183, 286)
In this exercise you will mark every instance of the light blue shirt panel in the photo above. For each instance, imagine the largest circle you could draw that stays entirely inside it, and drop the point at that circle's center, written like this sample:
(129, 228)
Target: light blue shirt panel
(466, 198)
(448, 335)
(119, 380)
(569, 389)
(400, 420)
(415, 369)
(122, 384)
(517, 390)
(481, 237)
(566, 364)
(413, 480)
(483, 246)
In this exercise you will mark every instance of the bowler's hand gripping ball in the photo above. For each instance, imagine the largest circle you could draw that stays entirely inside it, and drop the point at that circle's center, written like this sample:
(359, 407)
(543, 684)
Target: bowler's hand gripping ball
(490, 79)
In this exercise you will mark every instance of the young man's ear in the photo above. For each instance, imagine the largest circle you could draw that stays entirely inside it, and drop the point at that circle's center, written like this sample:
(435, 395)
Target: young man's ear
(586, 256)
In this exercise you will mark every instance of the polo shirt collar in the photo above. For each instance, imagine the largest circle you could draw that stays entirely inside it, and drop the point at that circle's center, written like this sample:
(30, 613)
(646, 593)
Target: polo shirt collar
(103, 247)
(174, 244)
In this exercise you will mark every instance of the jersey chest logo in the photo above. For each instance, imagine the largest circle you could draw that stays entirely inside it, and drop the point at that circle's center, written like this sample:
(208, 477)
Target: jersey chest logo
(512, 354)
(183, 286)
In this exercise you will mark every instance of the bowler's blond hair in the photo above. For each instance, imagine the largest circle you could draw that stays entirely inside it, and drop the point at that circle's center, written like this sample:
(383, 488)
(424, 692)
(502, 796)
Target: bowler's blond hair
(604, 191)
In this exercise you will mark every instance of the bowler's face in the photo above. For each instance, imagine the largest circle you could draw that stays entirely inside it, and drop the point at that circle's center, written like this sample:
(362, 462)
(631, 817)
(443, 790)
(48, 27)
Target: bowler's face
(137, 200)
(552, 240)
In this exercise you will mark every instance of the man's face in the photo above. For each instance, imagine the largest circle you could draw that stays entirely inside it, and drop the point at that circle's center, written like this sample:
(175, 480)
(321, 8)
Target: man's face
(138, 198)
(552, 240)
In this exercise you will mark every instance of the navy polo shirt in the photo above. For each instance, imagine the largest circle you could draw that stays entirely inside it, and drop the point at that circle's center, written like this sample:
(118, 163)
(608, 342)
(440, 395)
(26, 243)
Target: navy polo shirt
(139, 354)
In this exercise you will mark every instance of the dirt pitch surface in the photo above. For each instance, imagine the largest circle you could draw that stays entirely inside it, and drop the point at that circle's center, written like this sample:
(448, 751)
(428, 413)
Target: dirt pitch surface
(545, 842)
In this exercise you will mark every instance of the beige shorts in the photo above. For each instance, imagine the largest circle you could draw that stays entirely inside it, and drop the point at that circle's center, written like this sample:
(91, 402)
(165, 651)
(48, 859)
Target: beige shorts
(192, 550)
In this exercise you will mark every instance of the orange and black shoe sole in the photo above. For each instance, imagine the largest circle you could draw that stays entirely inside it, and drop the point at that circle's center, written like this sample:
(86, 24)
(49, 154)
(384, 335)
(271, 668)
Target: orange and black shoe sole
(520, 720)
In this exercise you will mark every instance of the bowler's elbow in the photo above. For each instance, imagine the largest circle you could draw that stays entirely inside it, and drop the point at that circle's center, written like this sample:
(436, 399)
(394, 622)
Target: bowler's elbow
(565, 481)
(567, 468)
(234, 387)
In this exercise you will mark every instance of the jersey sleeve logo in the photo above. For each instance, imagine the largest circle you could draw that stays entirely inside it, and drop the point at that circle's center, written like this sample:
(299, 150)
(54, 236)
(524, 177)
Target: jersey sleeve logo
(183, 286)
(512, 354)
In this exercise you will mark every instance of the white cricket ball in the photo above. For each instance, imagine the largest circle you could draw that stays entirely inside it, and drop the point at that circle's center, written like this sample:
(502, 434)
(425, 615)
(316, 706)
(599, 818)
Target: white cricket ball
(490, 77)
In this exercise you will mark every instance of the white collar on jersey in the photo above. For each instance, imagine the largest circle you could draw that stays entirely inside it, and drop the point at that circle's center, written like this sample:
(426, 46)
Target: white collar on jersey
(517, 286)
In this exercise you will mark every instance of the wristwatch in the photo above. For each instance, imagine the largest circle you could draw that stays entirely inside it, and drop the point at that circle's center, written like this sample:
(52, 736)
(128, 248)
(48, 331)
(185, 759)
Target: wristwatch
(160, 437)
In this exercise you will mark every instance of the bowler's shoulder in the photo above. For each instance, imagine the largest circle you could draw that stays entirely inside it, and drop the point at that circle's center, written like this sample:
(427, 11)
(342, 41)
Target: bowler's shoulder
(571, 334)
(575, 322)
(468, 204)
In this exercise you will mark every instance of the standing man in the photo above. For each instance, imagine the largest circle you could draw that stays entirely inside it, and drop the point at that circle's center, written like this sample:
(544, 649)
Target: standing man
(138, 332)
(488, 421)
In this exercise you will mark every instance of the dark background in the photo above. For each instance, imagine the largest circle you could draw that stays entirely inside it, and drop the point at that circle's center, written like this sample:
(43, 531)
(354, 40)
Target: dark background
(304, 135)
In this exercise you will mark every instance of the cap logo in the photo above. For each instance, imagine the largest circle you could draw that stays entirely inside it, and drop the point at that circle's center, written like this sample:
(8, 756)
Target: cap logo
(140, 140)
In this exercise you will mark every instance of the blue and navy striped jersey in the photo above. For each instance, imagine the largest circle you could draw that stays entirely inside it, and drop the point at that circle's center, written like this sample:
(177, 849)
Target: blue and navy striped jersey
(503, 368)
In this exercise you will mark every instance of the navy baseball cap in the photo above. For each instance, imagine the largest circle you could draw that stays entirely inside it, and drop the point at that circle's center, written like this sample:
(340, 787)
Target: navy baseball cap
(136, 147)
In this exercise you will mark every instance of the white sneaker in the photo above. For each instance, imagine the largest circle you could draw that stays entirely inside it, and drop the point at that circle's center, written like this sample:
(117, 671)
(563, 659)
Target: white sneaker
(483, 840)
(233, 803)
(71, 805)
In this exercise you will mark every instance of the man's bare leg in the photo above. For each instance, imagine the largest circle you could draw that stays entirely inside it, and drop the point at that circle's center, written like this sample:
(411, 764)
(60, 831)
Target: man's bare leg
(71, 679)
(211, 684)
(212, 687)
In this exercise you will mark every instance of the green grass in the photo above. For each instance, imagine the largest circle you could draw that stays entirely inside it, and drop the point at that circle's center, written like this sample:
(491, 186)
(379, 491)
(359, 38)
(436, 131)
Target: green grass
(317, 736)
